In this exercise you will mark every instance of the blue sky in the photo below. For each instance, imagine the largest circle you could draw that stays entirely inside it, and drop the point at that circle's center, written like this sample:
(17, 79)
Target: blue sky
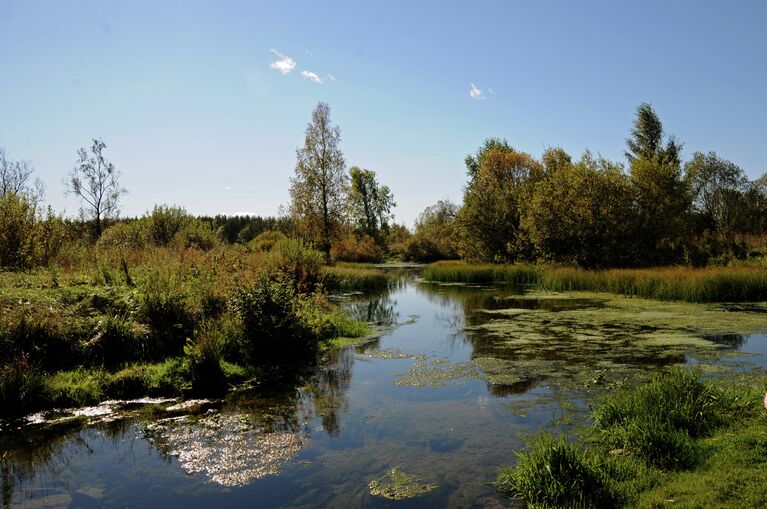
(197, 110)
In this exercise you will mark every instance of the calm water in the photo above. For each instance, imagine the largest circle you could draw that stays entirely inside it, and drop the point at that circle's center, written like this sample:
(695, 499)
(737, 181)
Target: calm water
(418, 398)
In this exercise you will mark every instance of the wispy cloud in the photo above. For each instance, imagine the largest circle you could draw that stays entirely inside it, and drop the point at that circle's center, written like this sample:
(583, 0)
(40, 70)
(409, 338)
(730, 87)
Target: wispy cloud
(475, 93)
(331, 77)
(284, 65)
(311, 76)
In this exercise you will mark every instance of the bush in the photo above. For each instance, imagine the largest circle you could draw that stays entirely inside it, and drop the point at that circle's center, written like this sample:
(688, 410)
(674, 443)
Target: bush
(118, 340)
(268, 312)
(165, 222)
(352, 249)
(165, 308)
(298, 261)
(196, 234)
(265, 241)
(123, 236)
(17, 229)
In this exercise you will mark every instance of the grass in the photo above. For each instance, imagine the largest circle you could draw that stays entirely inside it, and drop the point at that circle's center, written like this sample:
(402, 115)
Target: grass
(677, 441)
(711, 284)
(354, 277)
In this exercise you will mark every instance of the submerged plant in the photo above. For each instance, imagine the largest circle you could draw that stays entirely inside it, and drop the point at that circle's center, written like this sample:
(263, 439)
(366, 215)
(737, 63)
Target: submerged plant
(398, 485)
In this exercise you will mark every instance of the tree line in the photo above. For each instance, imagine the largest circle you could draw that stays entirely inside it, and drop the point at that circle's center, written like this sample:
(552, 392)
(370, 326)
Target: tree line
(651, 209)
(654, 209)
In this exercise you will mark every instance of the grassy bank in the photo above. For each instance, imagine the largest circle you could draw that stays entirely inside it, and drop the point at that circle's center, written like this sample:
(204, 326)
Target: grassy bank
(677, 441)
(711, 284)
(165, 321)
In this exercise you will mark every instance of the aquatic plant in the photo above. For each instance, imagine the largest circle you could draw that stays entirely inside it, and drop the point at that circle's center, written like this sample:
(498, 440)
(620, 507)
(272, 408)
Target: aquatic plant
(398, 485)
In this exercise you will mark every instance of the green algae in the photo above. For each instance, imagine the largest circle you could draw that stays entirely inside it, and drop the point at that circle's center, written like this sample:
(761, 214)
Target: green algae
(398, 485)
(435, 374)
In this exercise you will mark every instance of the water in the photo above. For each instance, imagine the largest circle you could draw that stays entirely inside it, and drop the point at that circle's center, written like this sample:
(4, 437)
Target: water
(446, 395)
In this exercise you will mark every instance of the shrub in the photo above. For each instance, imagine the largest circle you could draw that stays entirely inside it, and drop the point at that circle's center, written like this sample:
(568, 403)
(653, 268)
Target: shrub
(17, 229)
(268, 312)
(265, 241)
(123, 236)
(118, 340)
(298, 261)
(166, 310)
(205, 354)
(165, 222)
(352, 249)
(196, 234)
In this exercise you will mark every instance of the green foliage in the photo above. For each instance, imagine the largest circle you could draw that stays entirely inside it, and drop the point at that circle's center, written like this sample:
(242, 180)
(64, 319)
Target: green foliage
(296, 260)
(582, 214)
(370, 205)
(165, 222)
(17, 231)
(501, 180)
(435, 234)
(265, 241)
(196, 234)
(558, 474)
(166, 310)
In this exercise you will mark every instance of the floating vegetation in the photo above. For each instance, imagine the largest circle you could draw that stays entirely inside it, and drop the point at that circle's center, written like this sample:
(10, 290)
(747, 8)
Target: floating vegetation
(397, 485)
(435, 375)
(229, 449)
(394, 353)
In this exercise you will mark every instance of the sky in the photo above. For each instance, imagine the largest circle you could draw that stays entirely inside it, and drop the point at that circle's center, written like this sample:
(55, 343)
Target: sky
(202, 104)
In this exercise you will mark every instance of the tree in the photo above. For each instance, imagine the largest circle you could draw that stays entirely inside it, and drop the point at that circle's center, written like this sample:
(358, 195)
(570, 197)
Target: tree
(661, 194)
(500, 181)
(370, 205)
(718, 189)
(435, 235)
(581, 213)
(320, 181)
(14, 178)
(97, 183)
(646, 141)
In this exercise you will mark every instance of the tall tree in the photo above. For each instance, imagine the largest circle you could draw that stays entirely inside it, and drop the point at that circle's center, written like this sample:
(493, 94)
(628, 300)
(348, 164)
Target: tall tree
(320, 182)
(661, 194)
(646, 141)
(15, 178)
(370, 204)
(97, 183)
(500, 181)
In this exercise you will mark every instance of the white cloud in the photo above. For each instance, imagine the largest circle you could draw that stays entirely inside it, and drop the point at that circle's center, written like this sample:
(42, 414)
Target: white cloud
(228, 188)
(475, 93)
(331, 77)
(284, 65)
(311, 76)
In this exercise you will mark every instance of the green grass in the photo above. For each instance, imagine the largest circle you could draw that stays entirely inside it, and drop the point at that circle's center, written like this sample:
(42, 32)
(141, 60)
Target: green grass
(677, 441)
(353, 277)
(711, 284)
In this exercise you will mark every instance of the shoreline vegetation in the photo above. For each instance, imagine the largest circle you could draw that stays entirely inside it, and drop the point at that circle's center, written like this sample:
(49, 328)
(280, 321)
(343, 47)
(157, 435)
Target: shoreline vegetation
(168, 321)
(676, 441)
(739, 283)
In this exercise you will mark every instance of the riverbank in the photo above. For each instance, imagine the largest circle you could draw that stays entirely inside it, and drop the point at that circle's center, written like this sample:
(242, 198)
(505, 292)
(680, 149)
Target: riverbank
(676, 441)
(167, 323)
(745, 283)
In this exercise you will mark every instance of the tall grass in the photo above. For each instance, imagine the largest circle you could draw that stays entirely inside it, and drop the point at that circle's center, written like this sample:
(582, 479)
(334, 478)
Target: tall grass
(461, 272)
(343, 278)
(711, 284)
